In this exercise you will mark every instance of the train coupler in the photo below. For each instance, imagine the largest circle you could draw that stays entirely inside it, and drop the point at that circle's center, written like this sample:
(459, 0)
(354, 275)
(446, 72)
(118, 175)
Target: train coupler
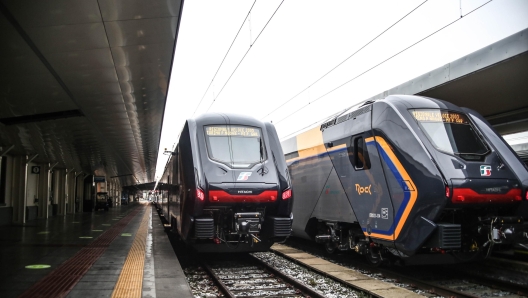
(248, 223)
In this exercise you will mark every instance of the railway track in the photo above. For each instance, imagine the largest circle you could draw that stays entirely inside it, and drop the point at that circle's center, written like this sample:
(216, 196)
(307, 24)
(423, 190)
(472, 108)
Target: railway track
(463, 280)
(246, 276)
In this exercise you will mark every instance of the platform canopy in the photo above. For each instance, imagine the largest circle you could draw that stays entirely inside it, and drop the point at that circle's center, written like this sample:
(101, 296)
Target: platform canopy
(492, 81)
(84, 83)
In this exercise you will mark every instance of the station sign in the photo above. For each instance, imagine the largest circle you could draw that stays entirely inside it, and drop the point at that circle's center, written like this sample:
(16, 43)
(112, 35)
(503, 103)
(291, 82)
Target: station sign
(35, 170)
(99, 179)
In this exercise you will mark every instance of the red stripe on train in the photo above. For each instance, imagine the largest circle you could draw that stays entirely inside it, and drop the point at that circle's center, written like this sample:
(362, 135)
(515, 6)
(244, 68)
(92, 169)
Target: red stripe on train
(467, 195)
(220, 196)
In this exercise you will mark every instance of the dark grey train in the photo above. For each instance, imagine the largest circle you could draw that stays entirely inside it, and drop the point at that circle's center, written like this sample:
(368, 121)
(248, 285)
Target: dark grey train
(408, 177)
(226, 187)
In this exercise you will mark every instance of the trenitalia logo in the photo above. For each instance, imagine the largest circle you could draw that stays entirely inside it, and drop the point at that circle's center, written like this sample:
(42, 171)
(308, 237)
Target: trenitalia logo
(485, 170)
(243, 176)
(361, 190)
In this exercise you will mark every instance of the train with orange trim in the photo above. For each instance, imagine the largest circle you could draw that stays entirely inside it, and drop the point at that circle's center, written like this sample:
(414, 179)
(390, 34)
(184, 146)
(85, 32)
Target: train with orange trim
(226, 186)
(408, 178)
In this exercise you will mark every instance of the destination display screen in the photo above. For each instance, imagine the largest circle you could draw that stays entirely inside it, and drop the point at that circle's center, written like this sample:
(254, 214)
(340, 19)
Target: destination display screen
(439, 116)
(232, 130)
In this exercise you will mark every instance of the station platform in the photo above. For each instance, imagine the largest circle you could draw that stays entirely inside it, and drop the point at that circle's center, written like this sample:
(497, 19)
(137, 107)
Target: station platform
(123, 252)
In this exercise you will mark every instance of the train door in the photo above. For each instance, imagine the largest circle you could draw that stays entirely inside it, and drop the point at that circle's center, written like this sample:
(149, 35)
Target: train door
(368, 152)
(360, 172)
(406, 167)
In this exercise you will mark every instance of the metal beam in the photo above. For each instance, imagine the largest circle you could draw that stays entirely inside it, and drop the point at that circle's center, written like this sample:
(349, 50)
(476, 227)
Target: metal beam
(7, 150)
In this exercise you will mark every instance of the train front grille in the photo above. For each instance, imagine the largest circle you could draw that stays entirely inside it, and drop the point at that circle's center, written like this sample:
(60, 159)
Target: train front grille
(281, 226)
(447, 236)
(204, 228)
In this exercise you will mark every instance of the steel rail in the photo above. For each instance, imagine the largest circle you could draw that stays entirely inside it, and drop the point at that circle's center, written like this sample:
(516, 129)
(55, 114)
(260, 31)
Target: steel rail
(288, 281)
(218, 281)
(423, 285)
(294, 282)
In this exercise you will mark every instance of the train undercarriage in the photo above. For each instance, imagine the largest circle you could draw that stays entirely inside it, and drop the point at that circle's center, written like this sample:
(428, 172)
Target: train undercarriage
(226, 228)
(460, 236)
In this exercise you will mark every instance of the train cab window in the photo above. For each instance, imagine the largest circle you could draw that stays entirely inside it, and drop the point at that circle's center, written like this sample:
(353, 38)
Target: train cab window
(358, 154)
(450, 132)
(234, 145)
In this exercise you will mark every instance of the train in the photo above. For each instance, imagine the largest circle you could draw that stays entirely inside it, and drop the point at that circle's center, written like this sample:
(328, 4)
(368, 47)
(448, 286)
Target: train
(226, 186)
(410, 179)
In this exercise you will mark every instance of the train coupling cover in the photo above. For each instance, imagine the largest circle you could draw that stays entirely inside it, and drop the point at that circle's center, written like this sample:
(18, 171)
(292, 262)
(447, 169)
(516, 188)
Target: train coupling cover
(248, 222)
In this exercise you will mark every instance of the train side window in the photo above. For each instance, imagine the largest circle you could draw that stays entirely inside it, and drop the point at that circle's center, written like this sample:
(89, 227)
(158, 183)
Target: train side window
(359, 157)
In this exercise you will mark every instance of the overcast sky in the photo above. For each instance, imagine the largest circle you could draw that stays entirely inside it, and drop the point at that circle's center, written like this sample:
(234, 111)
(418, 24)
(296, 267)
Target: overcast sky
(286, 76)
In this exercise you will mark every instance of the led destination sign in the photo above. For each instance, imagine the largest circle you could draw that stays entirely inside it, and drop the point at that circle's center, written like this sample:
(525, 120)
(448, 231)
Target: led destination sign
(439, 116)
(230, 130)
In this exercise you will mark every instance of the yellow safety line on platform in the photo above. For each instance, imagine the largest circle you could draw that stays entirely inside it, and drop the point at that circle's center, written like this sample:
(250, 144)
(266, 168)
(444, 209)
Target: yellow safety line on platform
(130, 280)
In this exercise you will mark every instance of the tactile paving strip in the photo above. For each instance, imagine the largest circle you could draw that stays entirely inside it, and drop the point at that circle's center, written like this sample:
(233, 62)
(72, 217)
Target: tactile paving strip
(59, 282)
(130, 280)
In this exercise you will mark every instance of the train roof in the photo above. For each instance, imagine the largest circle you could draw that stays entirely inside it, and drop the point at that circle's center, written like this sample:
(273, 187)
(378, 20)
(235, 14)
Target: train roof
(410, 101)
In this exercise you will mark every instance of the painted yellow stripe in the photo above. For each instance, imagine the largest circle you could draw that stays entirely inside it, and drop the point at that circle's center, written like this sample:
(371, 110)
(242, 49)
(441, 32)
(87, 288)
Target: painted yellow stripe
(312, 138)
(310, 143)
(408, 181)
(130, 282)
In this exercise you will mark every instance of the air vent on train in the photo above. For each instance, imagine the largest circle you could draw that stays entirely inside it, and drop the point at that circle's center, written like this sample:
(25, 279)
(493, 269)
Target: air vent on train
(447, 236)
(203, 228)
(281, 226)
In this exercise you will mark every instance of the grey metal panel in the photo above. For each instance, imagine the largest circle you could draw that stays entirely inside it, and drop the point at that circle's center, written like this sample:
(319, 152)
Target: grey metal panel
(151, 70)
(95, 88)
(506, 48)
(145, 54)
(141, 32)
(147, 87)
(98, 75)
(31, 13)
(423, 82)
(308, 182)
(78, 37)
(113, 10)
(14, 67)
(61, 50)
(289, 145)
(499, 51)
(522, 151)
(17, 58)
(333, 203)
(81, 60)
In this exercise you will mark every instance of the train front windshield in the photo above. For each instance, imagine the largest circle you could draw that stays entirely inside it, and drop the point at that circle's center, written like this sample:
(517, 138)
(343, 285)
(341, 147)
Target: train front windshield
(234, 145)
(450, 132)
